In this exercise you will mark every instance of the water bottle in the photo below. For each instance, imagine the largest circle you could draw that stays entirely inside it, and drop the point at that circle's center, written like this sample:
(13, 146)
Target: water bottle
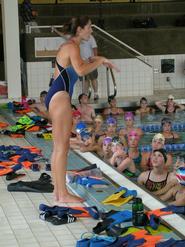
(138, 212)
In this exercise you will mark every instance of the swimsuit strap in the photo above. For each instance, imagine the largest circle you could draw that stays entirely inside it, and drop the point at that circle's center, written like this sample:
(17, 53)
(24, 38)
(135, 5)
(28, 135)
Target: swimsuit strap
(148, 176)
(59, 67)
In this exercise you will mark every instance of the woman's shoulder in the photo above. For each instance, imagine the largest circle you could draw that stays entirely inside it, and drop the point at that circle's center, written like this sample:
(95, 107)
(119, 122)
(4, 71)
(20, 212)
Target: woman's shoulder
(68, 44)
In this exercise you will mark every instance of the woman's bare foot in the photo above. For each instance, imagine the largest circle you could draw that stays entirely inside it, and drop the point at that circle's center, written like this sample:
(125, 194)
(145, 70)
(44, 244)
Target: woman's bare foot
(69, 198)
(55, 195)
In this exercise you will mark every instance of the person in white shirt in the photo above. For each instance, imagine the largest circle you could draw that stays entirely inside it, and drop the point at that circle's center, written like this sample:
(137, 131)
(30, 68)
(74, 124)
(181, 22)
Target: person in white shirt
(88, 49)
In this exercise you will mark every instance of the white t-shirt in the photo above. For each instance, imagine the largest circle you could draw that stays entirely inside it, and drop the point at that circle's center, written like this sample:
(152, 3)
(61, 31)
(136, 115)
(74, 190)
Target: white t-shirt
(86, 47)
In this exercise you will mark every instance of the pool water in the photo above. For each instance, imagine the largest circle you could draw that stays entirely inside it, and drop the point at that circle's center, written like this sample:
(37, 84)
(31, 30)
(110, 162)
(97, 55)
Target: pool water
(178, 120)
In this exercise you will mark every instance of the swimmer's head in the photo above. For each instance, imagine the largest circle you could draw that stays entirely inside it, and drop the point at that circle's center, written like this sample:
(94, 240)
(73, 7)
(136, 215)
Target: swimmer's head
(128, 116)
(163, 152)
(116, 140)
(80, 126)
(159, 137)
(111, 121)
(166, 120)
(85, 134)
(98, 118)
(76, 114)
(133, 134)
(107, 140)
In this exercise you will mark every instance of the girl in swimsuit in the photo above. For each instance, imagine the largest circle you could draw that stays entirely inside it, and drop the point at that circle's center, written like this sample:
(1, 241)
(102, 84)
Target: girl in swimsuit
(170, 106)
(113, 109)
(98, 127)
(129, 126)
(120, 158)
(158, 177)
(166, 126)
(158, 142)
(133, 148)
(144, 108)
(69, 65)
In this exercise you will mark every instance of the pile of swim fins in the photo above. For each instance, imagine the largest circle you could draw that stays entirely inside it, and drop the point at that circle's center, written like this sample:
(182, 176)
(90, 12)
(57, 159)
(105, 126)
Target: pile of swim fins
(42, 185)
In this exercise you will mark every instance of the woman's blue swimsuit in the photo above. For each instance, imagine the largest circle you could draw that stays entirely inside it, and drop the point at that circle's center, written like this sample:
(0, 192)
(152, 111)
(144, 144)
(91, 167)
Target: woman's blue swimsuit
(64, 82)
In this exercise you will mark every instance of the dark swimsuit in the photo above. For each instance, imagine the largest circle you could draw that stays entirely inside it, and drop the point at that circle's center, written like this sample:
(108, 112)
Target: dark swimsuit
(154, 186)
(65, 81)
(170, 140)
(166, 110)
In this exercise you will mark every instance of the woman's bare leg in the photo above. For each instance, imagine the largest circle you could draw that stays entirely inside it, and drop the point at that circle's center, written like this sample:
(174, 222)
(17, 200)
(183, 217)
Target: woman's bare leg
(60, 113)
(53, 177)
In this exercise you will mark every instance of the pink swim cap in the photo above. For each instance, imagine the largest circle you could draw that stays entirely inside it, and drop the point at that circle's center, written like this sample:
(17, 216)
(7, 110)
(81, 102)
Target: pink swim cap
(133, 133)
(129, 115)
(76, 113)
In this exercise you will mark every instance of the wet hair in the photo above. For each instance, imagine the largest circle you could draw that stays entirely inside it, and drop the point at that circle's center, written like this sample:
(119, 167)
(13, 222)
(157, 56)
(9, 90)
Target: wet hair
(143, 99)
(110, 98)
(80, 97)
(43, 93)
(74, 23)
(166, 120)
(116, 140)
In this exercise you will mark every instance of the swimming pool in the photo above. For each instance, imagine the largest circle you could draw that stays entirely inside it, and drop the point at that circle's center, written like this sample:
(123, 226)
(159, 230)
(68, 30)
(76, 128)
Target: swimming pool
(151, 125)
(95, 196)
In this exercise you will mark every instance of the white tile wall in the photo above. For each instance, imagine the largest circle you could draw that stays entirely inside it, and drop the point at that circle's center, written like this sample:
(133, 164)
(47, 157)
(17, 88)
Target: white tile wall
(134, 79)
(38, 74)
(177, 79)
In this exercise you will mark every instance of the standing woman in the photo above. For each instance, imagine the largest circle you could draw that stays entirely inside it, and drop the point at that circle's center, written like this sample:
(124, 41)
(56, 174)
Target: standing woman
(69, 65)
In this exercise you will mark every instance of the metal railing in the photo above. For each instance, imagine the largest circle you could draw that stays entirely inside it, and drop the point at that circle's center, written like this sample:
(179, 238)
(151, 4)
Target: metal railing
(110, 72)
(138, 55)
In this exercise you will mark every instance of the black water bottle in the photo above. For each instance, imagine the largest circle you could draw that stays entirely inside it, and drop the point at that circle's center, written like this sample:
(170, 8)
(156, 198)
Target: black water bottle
(138, 212)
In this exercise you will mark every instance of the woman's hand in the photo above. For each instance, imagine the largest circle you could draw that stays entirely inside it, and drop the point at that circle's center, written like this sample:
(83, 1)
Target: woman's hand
(107, 63)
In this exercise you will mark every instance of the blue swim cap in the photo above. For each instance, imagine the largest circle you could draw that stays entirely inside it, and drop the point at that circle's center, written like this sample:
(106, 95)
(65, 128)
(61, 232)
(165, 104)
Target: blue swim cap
(80, 126)
(111, 121)
(85, 134)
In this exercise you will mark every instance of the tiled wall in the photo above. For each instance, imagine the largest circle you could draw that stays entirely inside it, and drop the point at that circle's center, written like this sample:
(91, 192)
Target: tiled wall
(38, 74)
(177, 79)
(134, 79)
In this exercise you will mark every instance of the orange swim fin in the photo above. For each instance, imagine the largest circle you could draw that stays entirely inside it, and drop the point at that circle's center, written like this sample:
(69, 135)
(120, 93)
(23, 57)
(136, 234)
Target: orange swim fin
(158, 212)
